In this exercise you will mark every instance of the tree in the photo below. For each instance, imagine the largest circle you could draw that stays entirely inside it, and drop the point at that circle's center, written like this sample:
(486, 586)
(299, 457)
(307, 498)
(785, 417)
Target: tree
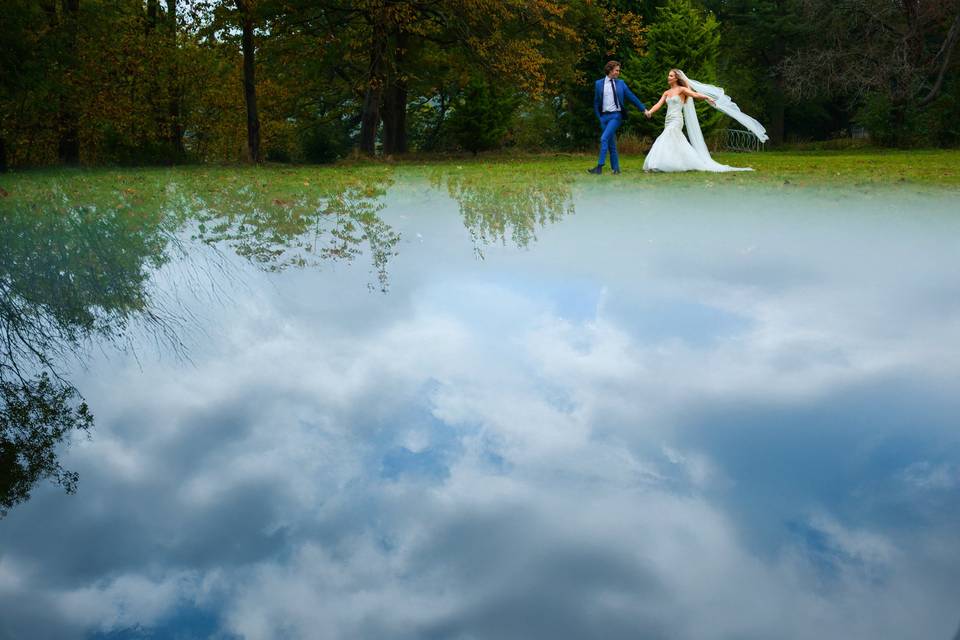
(683, 36)
(757, 36)
(36, 416)
(316, 75)
(532, 50)
(247, 16)
(376, 17)
(396, 96)
(67, 274)
(494, 206)
(358, 52)
(892, 56)
(69, 118)
(161, 45)
(331, 222)
(91, 82)
(219, 20)
(394, 53)
(608, 30)
(482, 116)
(22, 59)
(173, 87)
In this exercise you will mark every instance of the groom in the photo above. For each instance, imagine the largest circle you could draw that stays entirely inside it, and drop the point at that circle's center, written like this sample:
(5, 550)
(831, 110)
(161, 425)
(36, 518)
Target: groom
(608, 104)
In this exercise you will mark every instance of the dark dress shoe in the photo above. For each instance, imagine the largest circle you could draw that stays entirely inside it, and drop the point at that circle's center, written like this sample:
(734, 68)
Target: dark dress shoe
(597, 170)
(616, 172)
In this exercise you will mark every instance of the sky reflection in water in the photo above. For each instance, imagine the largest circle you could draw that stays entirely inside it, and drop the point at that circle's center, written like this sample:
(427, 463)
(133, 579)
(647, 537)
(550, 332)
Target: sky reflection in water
(615, 412)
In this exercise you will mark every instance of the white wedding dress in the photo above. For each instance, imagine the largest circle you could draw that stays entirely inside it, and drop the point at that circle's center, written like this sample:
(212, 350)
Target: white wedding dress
(671, 151)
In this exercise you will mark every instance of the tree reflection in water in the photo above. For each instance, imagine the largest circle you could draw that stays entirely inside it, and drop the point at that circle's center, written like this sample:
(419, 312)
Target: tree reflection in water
(331, 221)
(77, 271)
(68, 274)
(494, 205)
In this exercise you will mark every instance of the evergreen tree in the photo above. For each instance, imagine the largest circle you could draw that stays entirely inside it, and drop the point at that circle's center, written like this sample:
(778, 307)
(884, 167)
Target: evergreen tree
(685, 37)
(482, 116)
(757, 36)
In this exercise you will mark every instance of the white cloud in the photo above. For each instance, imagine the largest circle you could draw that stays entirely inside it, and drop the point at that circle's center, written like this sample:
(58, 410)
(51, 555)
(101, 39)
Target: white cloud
(927, 476)
(126, 601)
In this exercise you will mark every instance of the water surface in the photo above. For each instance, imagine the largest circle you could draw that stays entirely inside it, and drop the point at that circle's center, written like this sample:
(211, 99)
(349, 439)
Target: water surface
(454, 406)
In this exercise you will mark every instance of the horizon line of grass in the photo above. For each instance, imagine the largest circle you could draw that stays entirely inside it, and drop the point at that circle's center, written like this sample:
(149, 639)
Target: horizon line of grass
(853, 167)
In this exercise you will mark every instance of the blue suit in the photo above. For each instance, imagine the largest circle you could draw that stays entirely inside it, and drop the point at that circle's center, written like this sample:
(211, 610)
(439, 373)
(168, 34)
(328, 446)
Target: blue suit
(610, 122)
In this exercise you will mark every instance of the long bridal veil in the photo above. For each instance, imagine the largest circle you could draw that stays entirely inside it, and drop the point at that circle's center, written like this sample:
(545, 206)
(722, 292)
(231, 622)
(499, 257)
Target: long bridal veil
(722, 102)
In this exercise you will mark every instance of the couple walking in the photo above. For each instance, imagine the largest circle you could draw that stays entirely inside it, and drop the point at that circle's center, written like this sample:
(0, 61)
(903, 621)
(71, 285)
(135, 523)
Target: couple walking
(671, 151)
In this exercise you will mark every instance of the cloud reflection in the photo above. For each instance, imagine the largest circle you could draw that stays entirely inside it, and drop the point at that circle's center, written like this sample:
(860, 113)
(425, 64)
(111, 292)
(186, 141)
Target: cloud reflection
(478, 459)
(80, 270)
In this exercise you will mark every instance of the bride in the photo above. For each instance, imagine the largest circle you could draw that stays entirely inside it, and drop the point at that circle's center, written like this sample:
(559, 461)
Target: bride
(671, 151)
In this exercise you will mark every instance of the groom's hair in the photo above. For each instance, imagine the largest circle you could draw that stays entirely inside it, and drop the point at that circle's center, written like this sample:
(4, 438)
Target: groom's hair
(610, 65)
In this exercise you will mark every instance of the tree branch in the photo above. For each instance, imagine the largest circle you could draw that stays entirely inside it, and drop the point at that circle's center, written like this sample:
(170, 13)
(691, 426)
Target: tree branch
(947, 51)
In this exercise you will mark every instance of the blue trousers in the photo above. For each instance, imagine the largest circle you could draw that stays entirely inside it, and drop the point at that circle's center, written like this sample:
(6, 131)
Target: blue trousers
(609, 123)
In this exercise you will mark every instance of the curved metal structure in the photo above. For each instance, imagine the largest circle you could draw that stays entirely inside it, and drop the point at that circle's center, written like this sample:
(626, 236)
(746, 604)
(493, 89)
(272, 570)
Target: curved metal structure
(742, 140)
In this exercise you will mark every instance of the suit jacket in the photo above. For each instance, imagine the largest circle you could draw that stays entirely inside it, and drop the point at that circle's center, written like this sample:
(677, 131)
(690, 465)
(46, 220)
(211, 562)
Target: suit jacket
(622, 91)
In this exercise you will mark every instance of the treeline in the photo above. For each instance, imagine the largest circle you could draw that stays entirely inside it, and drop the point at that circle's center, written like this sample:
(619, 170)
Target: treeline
(167, 81)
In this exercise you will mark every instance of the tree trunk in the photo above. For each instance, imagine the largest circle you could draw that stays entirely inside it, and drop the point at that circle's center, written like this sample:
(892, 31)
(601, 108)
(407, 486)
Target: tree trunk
(945, 52)
(249, 82)
(50, 8)
(395, 118)
(173, 109)
(777, 109)
(370, 117)
(151, 15)
(898, 116)
(68, 120)
(389, 117)
(395, 103)
(777, 124)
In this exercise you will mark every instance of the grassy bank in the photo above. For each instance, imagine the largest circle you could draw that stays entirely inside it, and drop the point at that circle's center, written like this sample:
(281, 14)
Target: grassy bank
(938, 169)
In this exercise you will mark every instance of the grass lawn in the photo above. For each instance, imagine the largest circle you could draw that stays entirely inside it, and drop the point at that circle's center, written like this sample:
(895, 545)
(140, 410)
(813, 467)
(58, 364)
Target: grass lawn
(859, 168)
(938, 168)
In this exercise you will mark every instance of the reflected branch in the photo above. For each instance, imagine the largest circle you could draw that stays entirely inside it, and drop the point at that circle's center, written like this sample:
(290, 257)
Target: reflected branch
(332, 221)
(35, 416)
(78, 271)
(494, 206)
(68, 275)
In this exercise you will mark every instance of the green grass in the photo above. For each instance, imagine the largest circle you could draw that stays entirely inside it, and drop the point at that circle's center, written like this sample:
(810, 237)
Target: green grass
(936, 168)
(853, 168)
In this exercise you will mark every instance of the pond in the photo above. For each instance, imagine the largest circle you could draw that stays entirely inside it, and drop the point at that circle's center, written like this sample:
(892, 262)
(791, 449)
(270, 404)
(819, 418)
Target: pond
(446, 404)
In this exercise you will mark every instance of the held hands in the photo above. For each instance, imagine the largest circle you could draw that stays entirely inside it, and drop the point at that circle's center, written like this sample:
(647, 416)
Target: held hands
(647, 113)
